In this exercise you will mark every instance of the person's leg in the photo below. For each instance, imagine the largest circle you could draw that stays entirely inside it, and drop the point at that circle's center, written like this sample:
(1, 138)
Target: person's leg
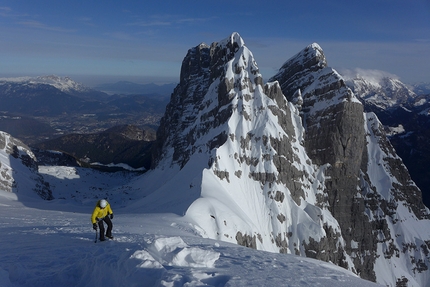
(102, 229)
(109, 226)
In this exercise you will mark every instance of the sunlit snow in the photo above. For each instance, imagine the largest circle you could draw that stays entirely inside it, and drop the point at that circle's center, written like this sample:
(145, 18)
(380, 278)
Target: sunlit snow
(52, 244)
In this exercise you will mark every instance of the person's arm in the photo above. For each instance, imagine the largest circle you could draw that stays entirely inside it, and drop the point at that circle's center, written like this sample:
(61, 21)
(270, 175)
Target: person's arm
(94, 215)
(110, 212)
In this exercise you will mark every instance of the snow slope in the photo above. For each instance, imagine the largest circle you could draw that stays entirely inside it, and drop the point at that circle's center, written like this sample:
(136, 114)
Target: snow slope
(53, 245)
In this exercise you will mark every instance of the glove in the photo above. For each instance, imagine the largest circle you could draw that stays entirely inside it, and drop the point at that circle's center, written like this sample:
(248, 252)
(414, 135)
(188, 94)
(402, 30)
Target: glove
(111, 216)
(95, 226)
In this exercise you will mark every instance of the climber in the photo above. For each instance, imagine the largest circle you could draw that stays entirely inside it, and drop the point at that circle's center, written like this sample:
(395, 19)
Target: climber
(102, 212)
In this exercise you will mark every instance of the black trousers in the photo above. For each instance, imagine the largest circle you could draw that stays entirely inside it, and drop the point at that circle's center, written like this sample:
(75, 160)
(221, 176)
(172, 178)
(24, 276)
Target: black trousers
(102, 227)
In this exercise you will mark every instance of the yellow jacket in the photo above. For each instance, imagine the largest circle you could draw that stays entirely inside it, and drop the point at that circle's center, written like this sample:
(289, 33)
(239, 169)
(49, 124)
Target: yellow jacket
(100, 212)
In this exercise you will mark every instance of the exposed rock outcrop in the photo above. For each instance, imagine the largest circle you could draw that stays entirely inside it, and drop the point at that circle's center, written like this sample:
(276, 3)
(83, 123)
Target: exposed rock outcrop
(291, 166)
(19, 173)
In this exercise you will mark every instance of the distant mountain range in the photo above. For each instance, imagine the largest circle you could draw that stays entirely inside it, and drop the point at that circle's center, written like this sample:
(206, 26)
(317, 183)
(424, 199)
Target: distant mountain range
(57, 113)
(61, 84)
(55, 106)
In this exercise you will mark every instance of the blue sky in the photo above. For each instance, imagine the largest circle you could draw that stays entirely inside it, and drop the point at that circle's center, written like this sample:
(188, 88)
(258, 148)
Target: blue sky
(146, 41)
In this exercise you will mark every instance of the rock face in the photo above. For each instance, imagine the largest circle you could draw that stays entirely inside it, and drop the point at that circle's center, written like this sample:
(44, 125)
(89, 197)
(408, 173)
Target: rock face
(339, 135)
(186, 101)
(335, 136)
(18, 169)
(290, 166)
(404, 114)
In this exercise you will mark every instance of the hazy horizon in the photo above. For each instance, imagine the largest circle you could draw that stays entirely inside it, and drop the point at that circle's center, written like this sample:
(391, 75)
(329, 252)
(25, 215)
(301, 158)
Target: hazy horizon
(147, 43)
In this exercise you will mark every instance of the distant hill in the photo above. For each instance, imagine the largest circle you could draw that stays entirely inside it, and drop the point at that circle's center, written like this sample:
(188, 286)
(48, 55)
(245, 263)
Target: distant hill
(421, 88)
(35, 99)
(27, 129)
(125, 144)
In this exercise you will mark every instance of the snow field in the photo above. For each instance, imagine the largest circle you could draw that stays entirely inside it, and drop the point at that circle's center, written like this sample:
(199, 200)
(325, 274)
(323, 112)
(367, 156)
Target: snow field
(53, 245)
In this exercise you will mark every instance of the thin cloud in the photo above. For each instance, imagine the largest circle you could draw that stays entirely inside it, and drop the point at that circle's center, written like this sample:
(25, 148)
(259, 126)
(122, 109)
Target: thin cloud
(5, 9)
(423, 40)
(150, 23)
(7, 12)
(194, 20)
(367, 74)
(120, 36)
(169, 20)
(42, 26)
(87, 21)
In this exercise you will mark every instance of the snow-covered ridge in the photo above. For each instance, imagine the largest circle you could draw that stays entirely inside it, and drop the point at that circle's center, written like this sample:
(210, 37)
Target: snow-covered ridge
(64, 84)
(421, 88)
(379, 88)
(7, 144)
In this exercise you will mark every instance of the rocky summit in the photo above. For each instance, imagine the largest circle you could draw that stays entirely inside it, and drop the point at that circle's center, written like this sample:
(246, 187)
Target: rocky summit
(293, 165)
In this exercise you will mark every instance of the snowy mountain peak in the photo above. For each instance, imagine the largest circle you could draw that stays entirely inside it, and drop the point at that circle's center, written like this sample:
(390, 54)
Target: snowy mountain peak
(289, 166)
(193, 110)
(379, 88)
(233, 40)
(65, 84)
(294, 73)
(312, 53)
